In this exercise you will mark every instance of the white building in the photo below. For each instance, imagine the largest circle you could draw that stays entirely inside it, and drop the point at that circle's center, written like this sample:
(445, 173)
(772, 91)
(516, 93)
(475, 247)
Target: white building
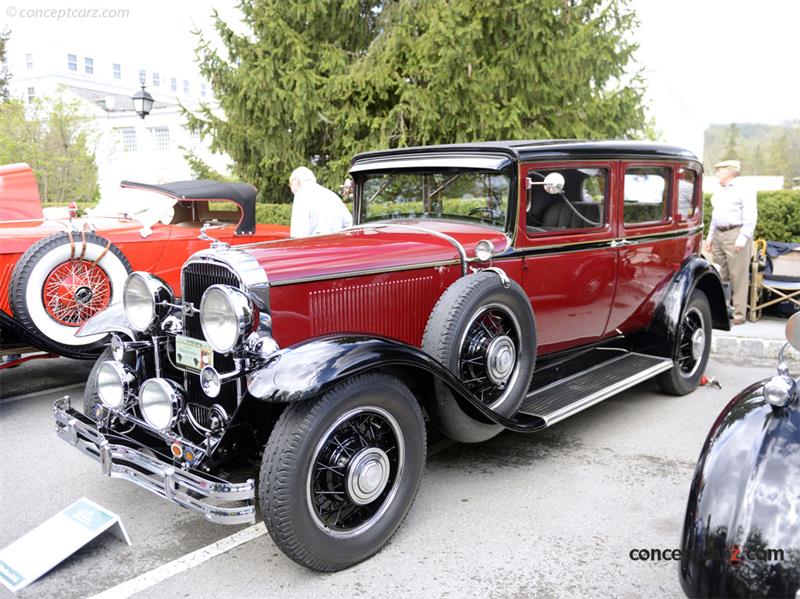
(126, 146)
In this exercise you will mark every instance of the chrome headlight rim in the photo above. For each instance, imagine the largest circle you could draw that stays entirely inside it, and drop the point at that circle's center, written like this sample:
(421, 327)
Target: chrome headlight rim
(120, 374)
(780, 391)
(171, 394)
(150, 289)
(240, 310)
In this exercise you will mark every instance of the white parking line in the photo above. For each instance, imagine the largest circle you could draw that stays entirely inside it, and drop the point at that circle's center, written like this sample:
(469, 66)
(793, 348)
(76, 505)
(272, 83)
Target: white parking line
(54, 390)
(188, 561)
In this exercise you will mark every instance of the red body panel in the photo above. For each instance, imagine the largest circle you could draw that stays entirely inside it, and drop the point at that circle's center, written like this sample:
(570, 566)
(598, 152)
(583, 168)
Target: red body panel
(19, 193)
(370, 249)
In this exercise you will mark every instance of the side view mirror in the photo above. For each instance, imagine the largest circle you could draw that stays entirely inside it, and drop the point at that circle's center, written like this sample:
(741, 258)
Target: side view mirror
(554, 183)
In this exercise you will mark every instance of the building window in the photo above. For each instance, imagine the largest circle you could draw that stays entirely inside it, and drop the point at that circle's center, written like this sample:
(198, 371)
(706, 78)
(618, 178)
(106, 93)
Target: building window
(128, 139)
(72, 62)
(88, 65)
(203, 89)
(142, 77)
(156, 80)
(117, 71)
(173, 84)
(31, 94)
(160, 137)
(185, 86)
(29, 61)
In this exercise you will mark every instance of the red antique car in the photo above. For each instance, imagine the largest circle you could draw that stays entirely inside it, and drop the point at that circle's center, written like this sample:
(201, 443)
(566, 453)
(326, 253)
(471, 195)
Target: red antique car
(56, 273)
(483, 286)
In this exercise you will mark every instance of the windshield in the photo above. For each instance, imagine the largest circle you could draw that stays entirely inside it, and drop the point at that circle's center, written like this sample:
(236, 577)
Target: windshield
(472, 195)
(145, 206)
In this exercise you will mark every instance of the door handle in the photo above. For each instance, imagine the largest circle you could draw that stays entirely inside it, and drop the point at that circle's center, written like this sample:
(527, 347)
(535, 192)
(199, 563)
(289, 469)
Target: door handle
(618, 243)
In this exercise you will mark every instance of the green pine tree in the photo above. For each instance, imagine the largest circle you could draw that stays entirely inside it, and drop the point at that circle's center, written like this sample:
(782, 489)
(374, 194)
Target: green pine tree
(317, 81)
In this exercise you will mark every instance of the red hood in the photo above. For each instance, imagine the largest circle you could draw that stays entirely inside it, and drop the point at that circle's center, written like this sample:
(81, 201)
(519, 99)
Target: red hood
(384, 246)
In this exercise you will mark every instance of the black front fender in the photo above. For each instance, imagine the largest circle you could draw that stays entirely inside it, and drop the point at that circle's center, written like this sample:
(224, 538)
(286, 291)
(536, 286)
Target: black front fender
(13, 333)
(741, 535)
(309, 369)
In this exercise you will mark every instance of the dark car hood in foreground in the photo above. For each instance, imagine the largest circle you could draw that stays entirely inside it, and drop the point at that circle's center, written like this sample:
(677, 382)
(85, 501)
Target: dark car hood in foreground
(370, 249)
(745, 495)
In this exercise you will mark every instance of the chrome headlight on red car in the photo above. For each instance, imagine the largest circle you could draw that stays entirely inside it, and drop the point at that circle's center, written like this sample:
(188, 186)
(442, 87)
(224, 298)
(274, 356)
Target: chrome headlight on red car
(226, 316)
(144, 298)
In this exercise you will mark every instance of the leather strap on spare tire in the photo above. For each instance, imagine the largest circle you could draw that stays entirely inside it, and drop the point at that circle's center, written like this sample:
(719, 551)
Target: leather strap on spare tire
(63, 280)
(484, 332)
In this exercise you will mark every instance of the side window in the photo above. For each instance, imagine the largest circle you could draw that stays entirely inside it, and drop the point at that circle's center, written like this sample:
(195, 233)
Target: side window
(687, 196)
(646, 194)
(581, 205)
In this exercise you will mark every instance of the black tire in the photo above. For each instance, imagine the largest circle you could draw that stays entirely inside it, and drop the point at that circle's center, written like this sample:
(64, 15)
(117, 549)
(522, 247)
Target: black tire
(690, 356)
(309, 467)
(35, 309)
(459, 308)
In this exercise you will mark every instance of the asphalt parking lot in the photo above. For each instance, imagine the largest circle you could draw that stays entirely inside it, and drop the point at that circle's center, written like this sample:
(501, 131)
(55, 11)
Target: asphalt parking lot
(550, 515)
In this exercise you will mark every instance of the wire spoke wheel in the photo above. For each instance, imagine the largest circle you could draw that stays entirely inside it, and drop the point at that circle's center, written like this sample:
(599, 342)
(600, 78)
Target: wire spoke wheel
(489, 354)
(355, 471)
(692, 341)
(76, 290)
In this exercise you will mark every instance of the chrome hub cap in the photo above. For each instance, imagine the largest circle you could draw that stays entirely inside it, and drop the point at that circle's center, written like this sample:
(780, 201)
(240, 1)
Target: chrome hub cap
(698, 343)
(367, 475)
(500, 359)
(83, 295)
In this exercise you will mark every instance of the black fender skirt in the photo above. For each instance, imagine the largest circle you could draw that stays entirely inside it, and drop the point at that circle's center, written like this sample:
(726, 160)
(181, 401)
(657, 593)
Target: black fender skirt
(308, 369)
(14, 333)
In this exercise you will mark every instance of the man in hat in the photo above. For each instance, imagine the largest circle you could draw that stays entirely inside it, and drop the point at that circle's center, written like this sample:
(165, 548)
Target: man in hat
(730, 236)
(316, 209)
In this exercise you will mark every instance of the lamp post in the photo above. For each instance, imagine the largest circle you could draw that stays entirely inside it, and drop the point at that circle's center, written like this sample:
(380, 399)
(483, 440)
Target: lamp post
(142, 102)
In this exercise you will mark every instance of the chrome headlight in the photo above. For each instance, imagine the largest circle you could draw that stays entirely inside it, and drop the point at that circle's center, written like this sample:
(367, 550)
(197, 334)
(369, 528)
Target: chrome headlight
(143, 299)
(113, 384)
(780, 391)
(225, 316)
(160, 402)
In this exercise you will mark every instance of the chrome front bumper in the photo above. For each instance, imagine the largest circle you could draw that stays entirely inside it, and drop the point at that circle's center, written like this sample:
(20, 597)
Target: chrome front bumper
(218, 501)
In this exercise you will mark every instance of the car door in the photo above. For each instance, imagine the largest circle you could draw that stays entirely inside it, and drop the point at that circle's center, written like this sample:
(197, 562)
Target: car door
(652, 244)
(569, 262)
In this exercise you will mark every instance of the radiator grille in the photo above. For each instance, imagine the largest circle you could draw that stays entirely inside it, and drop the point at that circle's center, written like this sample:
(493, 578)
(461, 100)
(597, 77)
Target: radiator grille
(196, 278)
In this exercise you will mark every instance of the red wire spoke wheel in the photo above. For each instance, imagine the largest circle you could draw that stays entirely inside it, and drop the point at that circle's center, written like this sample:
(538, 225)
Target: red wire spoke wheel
(59, 283)
(75, 291)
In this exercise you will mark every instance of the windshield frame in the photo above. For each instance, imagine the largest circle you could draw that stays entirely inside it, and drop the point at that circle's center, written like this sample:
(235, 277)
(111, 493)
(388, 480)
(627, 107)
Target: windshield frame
(508, 169)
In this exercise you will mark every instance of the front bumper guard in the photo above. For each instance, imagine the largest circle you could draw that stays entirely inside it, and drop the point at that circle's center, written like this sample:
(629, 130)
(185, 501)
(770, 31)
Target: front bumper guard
(218, 501)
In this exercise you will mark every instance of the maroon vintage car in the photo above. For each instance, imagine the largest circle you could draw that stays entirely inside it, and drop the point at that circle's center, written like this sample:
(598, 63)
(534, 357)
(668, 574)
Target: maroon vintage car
(483, 286)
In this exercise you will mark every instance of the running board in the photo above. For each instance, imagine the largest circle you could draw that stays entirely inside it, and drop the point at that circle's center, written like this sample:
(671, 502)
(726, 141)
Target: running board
(570, 395)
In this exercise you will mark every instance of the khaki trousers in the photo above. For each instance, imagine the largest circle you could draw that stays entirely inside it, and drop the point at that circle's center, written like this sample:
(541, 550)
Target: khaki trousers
(734, 267)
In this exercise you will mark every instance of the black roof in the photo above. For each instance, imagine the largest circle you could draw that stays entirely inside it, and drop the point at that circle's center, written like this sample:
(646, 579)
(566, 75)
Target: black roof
(550, 148)
(204, 189)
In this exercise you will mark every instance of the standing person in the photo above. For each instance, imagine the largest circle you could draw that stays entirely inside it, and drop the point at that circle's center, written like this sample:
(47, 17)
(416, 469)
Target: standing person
(730, 236)
(316, 209)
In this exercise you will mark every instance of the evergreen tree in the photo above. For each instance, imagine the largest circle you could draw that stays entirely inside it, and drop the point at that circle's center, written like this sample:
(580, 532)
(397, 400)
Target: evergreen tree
(317, 81)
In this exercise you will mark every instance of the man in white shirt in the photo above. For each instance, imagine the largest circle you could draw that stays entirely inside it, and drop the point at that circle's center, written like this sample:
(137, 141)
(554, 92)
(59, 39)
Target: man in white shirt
(316, 210)
(730, 236)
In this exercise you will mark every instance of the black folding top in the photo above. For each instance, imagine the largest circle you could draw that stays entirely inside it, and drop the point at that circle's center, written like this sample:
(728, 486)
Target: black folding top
(241, 193)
